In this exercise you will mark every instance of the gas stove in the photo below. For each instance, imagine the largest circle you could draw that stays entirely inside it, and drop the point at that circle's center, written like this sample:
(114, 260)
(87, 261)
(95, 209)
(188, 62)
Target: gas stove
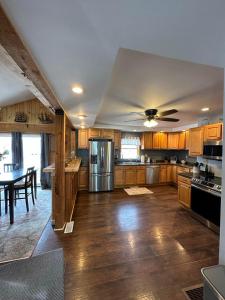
(213, 184)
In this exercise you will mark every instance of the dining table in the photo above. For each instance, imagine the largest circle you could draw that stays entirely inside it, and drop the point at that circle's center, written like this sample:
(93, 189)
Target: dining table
(9, 179)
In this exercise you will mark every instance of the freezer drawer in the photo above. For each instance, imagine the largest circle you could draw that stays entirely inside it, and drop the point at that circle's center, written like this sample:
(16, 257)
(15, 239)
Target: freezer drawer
(101, 182)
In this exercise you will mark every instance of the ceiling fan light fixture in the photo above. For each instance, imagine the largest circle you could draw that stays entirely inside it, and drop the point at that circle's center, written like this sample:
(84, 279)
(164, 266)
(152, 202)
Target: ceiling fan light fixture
(150, 123)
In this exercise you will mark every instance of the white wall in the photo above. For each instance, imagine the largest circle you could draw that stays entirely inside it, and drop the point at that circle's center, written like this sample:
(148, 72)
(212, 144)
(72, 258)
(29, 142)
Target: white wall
(222, 221)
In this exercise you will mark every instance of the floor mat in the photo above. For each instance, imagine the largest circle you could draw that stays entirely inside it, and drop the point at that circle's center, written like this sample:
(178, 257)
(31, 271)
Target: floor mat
(194, 292)
(19, 239)
(137, 191)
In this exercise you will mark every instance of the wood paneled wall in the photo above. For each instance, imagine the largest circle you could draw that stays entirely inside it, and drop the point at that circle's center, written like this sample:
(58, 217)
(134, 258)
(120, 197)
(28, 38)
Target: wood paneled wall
(32, 108)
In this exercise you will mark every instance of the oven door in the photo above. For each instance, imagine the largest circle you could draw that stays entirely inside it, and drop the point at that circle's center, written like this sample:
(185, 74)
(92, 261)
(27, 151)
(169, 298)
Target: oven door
(206, 203)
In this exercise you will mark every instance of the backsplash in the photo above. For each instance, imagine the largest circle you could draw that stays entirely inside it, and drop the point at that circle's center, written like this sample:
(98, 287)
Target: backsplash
(165, 154)
(214, 166)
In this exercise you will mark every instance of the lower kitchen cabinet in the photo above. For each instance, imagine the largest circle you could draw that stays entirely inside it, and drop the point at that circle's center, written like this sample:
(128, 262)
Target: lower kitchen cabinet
(169, 173)
(130, 176)
(184, 191)
(119, 176)
(141, 175)
(163, 174)
(83, 178)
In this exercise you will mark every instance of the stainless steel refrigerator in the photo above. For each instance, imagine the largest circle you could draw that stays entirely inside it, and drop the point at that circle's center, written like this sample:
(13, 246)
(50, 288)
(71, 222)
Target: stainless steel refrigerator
(101, 165)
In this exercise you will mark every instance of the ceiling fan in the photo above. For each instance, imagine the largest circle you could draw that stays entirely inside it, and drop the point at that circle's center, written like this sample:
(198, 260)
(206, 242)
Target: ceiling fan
(152, 116)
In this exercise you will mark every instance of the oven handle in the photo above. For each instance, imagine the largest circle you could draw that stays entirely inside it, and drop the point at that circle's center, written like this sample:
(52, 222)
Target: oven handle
(206, 190)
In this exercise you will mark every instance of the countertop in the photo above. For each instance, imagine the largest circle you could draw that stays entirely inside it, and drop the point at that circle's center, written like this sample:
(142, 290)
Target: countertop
(72, 166)
(151, 164)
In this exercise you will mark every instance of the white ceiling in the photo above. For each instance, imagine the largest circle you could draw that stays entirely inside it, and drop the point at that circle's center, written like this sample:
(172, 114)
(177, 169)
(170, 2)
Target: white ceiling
(12, 89)
(78, 41)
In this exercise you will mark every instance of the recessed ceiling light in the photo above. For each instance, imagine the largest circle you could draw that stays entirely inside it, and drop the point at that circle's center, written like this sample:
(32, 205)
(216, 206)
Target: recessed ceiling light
(81, 117)
(183, 130)
(77, 89)
(205, 109)
(134, 130)
(82, 126)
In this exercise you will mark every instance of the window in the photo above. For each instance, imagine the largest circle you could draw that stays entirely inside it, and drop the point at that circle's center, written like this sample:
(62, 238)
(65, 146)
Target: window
(130, 147)
(5, 149)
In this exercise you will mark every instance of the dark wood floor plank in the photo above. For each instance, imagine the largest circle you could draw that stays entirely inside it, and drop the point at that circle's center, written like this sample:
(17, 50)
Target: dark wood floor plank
(132, 247)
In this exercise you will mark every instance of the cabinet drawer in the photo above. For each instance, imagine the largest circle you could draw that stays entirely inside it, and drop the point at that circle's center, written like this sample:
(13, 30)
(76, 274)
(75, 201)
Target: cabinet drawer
(184, 179)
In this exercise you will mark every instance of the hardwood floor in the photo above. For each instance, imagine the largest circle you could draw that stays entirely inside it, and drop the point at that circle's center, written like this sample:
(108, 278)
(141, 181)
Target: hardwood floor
(132, 247)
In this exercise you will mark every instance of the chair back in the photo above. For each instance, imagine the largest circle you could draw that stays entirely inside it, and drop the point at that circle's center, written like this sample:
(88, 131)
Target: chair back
(9, 167)
(29, 176)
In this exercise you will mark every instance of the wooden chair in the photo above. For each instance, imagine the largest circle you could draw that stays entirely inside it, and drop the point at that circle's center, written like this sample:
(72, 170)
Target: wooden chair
(21, 189)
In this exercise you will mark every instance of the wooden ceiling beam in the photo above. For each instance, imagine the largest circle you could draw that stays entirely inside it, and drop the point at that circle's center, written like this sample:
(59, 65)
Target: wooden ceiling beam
(15, 48)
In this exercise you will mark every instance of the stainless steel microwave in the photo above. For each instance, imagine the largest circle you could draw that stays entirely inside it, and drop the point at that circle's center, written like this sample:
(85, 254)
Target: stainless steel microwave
(213, 150)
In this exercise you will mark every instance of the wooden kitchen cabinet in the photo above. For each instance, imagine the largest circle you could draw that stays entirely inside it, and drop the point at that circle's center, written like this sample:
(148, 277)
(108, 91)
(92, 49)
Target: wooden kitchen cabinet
(82, 139)
(107, 134)
(213, 132)
(119, 176)
(130, 176)
(141, 175)
(117, 139)
(187, 139)
(163, 140)
(173, 140)
(94, 133)
(196, 141)
(146, 140)
(169, 173)
(182, 139)
(83, 180)
(156, 140)
(174, 174)
(184, 191)
(163, 174)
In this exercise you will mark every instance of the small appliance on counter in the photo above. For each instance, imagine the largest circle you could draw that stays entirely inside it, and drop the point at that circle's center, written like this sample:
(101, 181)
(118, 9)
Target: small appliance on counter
(173, 159)
(142, 159)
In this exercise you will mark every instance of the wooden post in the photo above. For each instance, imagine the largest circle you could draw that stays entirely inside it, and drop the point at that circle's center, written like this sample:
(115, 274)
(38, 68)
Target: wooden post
(59, 199)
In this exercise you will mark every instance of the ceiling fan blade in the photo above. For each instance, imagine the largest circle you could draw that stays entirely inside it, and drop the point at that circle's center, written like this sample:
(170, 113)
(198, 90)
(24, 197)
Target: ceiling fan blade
(168, 119)
(135, 120)
(167, 112)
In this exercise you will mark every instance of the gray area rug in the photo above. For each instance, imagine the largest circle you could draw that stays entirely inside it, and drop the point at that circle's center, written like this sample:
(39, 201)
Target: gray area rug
(39, 277)
(19, 239)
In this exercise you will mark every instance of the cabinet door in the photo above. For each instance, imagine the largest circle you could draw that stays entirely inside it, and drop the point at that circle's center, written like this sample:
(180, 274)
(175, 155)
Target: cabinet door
(117, 139)
(187, 139)
(119, 176)
(213, 132)
(169, 173)
(82, 139)
(83, 178)
(163, 174)
(130, 176)
(107, 134)
(94, 133)
(156, 140)
(146, 140)
(195, 141)
(141, 175)
(174, 174)
(184, 194)
(182, 137)
(173, 140)
(163, 140)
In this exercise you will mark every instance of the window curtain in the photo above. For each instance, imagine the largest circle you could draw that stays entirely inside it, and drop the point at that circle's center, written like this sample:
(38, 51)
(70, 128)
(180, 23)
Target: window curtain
(17, 149)
(129, 138)
(45, 148)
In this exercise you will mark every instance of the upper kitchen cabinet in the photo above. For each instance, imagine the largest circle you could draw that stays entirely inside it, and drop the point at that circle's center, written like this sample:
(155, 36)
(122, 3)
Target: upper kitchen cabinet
(163, 140)
(173, 140)
(196, 141)
(107, 134)
(146, 140)
(156, 140)
(182, 140)
(117, 139)
(83, 139)
(213, 132)
(94, 133)
(187, 139)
